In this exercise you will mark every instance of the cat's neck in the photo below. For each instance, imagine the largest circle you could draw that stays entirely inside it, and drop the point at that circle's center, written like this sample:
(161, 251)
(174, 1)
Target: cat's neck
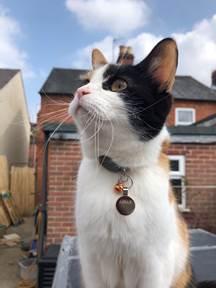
(131, 154)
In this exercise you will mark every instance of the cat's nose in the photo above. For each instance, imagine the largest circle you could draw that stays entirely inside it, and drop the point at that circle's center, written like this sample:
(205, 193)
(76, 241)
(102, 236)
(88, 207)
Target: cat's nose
(82, 91)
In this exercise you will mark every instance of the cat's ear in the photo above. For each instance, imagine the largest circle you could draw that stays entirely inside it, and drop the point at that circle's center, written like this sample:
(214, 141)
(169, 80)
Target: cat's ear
(161, 63)
(98, 59)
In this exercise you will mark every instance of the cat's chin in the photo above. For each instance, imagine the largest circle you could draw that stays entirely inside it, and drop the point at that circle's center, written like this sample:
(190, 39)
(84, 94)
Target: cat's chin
(75, 109)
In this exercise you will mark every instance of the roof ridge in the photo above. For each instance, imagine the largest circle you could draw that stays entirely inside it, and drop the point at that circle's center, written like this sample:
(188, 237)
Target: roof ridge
(194, 79)
(11, 69)
(76, 69)
(6, 74)
(210, 117)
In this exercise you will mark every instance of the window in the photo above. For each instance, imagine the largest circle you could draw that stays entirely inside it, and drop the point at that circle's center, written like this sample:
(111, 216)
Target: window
(177, 178)
(184, 116)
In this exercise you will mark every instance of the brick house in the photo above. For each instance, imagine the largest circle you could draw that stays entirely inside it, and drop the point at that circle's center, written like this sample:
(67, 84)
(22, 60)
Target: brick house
(192, 123)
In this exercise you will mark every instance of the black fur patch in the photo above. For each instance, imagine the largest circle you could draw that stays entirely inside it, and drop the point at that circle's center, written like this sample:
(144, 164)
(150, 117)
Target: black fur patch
(147, 105)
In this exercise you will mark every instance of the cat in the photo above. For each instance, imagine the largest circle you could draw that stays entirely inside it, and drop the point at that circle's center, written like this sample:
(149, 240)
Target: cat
(121, 113)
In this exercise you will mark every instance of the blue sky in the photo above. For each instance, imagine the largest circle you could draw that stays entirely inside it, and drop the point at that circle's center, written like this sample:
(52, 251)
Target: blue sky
(37, 35)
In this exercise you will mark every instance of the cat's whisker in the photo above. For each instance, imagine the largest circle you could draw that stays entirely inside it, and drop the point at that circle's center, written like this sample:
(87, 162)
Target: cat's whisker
(55, 117)
(39, 124)
(56, 129)
(59, 104)
(51, 99)
(40, 127)
(100, 122)
(87, 124)
(94, 134)
(54, 112)
(112, 136)
(60, 124)
(150, 126)
(151, 105)
(52, 119)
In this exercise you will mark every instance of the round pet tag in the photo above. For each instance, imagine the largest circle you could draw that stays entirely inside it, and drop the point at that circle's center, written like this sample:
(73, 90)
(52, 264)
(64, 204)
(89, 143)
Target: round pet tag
(125, 205)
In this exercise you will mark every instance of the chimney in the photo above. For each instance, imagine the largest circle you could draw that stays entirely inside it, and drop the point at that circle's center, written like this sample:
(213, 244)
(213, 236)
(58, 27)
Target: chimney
(126, 56)
(213, 77)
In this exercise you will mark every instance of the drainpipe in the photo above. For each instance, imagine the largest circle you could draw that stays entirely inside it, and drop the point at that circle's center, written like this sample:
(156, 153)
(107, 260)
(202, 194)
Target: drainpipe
(43, 205)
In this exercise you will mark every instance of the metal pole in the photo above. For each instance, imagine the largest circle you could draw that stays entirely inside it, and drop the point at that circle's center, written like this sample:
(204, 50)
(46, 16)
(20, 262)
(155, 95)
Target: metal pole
(113, 49)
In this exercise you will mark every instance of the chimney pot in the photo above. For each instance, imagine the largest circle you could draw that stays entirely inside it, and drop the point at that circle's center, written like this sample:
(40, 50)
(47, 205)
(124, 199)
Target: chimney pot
(213, 76)
(130, 50)
(126, 56)
(122, 49)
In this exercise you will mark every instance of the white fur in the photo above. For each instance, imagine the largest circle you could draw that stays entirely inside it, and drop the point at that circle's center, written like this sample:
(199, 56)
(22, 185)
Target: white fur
(144, 249)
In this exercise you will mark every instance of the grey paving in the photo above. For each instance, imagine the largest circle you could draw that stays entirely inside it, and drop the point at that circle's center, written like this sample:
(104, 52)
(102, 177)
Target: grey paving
(9, 257)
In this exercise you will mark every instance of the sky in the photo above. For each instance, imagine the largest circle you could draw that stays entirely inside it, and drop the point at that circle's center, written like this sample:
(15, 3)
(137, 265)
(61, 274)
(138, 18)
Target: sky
(37, 35)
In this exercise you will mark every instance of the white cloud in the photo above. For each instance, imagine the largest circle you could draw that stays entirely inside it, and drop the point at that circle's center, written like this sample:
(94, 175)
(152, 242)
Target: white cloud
(117, 17)
(197, 49)
(11, 56)
(142, 44)
(82, 58)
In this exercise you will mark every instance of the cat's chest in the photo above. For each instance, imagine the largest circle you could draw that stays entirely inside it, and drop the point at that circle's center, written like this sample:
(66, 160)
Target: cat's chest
(96, 201)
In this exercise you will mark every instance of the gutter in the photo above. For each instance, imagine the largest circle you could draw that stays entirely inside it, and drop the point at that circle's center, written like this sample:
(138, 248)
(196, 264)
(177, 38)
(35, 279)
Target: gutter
(193, 134)
(192, 130)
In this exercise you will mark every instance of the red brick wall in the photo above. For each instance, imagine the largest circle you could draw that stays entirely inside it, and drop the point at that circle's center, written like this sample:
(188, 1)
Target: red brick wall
(64, 159)
(203, 109)
(53, 110)
(200, 171)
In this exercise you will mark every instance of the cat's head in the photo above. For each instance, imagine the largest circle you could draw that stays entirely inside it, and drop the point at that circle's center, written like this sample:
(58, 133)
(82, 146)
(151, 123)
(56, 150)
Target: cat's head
(127, 104)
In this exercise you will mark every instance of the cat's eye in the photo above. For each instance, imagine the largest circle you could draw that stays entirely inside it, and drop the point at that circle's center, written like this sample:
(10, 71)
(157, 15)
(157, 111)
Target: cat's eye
(118, 85)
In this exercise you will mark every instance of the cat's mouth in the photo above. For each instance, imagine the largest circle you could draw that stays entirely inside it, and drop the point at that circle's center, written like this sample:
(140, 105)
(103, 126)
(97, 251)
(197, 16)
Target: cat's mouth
(75, 106)
(78, 108)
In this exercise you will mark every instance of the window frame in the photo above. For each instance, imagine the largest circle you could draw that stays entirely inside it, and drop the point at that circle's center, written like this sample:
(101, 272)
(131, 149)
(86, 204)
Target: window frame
(179, 175)
(181, 160)
(184, 123)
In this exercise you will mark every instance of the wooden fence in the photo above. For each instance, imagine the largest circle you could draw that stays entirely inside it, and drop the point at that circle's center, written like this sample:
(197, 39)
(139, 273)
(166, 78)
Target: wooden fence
(20, 182)
(4, 174)
(22, 188)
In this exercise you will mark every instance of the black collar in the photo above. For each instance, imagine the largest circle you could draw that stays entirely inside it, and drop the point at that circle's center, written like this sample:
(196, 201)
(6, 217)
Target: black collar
(110, 165)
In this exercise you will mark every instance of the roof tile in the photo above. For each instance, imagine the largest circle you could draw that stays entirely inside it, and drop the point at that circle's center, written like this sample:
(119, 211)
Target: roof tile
(66, 81)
